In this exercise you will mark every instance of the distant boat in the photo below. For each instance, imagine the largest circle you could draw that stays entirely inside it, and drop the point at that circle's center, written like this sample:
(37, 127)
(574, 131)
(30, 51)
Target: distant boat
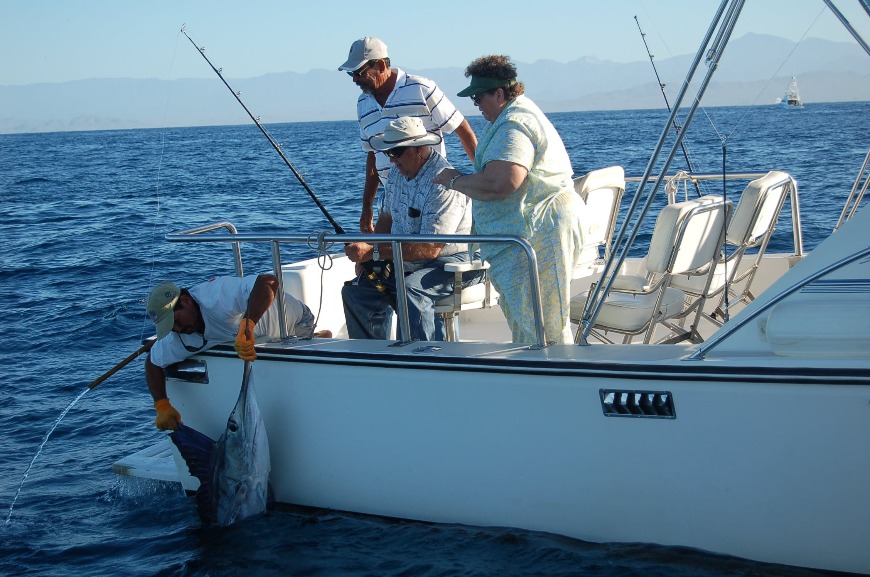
(792, 98)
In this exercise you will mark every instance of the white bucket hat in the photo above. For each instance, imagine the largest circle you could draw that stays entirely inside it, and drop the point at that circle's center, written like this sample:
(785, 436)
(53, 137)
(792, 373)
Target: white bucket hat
(404, 131)
(363, 50)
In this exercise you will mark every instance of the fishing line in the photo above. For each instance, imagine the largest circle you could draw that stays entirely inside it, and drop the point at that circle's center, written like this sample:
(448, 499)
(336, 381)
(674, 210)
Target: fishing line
(770, 79)
(268, 136)
(380, 270)
(724, 138)
(677, 127)
(154, 243)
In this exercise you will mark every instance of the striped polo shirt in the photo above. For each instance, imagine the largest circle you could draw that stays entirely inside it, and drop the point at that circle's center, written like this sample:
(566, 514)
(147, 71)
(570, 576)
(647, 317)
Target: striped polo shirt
(412, 96)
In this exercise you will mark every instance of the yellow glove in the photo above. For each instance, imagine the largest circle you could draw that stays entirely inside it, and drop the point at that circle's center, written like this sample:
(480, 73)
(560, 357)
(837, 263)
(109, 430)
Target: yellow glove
(167, 417)
(245, 340)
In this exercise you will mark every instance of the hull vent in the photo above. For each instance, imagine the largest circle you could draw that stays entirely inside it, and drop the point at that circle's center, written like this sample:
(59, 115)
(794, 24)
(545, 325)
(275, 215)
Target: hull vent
(651, 404)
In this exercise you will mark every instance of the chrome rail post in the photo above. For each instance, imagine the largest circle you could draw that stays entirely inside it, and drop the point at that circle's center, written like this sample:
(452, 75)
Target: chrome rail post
(713, 54)
(854, 199)
(796, 217)
(279, 274)
(403, 325)
(237, 248)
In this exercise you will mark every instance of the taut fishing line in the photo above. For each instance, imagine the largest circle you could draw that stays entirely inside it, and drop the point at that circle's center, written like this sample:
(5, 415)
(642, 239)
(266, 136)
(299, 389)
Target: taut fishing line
(324, 260)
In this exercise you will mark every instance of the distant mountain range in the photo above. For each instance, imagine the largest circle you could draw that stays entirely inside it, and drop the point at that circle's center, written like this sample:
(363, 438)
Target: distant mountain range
(754, 70)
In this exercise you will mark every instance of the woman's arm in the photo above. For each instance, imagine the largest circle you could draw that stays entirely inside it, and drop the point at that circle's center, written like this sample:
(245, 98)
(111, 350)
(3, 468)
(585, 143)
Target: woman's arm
(498, 180)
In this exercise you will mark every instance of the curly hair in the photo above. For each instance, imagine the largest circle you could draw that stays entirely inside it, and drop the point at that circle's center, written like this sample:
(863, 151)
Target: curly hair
(497, 66)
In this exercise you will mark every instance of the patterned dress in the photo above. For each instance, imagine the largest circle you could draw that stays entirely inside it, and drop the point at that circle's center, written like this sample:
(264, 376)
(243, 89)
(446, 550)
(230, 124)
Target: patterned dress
(544, 210)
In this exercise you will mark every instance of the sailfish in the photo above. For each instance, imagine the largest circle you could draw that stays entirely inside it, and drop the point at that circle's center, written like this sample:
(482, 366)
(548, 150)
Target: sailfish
(233, 471)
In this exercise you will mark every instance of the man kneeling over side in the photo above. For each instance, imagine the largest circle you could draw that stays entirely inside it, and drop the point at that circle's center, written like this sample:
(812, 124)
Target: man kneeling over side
(413, 204)
(220, 310)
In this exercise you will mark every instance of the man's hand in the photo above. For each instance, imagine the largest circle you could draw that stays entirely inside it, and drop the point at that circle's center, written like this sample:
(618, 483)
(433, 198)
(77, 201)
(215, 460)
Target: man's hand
(245, 340)
(168, 418)
(359, 251)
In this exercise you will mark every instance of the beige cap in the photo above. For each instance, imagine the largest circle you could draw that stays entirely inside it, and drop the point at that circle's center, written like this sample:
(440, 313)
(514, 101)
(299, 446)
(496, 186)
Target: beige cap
(161, 303)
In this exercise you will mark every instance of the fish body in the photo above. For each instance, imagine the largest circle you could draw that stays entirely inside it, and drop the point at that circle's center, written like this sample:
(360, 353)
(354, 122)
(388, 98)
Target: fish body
(233, 471)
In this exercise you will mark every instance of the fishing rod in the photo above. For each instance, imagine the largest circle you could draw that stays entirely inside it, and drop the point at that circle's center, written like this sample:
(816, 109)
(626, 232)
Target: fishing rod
(274, 144)
(677, 127)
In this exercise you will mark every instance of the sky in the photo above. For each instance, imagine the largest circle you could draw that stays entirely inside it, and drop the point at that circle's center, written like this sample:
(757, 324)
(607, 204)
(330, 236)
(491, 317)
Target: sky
(63, 40)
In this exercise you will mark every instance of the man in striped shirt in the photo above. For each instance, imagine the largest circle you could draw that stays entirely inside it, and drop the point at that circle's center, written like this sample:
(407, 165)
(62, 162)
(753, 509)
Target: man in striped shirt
(387, 94)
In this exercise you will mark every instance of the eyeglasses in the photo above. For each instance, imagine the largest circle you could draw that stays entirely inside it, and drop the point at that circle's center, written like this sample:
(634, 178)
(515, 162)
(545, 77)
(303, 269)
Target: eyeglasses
(478, 97)
(359, 71)
(396, 152)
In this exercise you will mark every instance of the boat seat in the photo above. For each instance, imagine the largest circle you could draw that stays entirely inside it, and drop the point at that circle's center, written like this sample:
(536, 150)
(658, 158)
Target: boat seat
(752, 225)
(480, 295)
(687, 237)
(601, 190)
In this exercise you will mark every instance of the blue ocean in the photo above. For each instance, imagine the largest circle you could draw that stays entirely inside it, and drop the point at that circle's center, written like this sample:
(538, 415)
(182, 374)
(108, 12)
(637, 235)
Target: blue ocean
(84, 216)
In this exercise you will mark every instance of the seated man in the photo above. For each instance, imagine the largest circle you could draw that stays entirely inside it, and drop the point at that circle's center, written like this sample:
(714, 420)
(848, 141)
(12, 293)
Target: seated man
(216, 311)
(413, 204)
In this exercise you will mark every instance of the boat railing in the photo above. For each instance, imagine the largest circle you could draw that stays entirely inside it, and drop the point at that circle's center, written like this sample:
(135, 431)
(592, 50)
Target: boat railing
(324, 240)
(710, 51)
(680, 182)
(856, 195)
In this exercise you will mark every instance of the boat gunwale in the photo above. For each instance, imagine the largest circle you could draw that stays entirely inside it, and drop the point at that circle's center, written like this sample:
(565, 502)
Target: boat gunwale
(681, 369)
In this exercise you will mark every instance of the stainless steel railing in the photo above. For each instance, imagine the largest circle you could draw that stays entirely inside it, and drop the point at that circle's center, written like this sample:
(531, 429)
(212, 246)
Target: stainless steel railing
(324, 240)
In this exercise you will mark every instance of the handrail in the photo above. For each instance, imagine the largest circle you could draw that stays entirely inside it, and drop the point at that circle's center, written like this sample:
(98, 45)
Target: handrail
(733, 326)
(792, 192)
(854, 199)
(237, 249)
(328, 238)
(711, 53)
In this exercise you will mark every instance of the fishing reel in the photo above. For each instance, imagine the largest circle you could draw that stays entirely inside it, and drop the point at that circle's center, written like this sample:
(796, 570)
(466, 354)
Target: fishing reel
(377, 271)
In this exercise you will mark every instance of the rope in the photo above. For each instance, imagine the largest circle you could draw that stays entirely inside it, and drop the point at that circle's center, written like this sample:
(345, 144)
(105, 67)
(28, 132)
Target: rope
(325, 262)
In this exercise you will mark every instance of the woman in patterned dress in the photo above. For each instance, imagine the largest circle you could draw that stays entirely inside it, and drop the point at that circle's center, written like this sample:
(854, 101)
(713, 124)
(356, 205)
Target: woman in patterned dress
(521, 186)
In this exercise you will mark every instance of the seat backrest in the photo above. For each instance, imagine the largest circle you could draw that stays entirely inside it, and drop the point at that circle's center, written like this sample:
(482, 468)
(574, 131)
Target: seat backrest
(687, 235)
(758, 208)
(602, 192)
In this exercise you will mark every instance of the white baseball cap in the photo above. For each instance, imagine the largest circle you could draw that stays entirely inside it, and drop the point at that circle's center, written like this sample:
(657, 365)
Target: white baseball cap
(363, 50)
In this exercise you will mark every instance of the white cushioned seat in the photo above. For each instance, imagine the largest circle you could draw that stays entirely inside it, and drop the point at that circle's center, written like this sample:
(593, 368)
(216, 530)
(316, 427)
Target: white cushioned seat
(626, 311)
(686, 239)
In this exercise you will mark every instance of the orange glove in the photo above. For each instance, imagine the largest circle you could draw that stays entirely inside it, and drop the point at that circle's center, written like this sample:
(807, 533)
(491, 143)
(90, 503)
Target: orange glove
(167, 417)
(245, 340)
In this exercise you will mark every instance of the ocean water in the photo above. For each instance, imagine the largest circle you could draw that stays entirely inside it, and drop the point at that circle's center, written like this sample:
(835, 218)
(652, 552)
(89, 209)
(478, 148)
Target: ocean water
(83, 220)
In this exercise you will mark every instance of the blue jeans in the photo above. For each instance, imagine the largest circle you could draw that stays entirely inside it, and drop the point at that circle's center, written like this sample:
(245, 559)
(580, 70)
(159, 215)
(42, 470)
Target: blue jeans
(369, 315)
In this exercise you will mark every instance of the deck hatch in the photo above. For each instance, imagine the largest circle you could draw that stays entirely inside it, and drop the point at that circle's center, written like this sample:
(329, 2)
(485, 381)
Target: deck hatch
(630, 403)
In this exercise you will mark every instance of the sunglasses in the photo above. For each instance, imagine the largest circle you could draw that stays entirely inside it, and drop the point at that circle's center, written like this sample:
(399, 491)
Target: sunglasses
(359, 71)
(396, 152)
(478, 97)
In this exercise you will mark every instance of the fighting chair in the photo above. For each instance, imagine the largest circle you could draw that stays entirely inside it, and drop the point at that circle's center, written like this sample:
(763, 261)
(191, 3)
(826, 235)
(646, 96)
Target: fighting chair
(477, 296)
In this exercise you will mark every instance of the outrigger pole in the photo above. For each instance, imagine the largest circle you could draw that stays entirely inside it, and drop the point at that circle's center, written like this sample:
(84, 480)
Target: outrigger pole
(677, 127)
(274, 144)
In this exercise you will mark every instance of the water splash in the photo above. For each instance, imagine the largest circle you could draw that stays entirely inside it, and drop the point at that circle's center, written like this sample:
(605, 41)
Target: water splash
(38, 451)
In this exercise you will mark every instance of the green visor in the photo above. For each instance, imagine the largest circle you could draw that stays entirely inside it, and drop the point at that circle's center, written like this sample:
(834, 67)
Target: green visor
(481, 84)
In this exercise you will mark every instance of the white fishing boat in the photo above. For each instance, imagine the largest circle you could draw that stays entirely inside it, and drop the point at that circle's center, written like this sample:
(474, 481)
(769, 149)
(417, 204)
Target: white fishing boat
(792, 97)
(736, 421)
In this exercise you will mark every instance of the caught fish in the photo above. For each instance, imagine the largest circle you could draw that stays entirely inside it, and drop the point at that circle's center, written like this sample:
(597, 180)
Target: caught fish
(233, 472)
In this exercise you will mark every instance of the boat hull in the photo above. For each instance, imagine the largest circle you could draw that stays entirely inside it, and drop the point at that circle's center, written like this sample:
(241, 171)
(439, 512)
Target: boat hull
(765, 461)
